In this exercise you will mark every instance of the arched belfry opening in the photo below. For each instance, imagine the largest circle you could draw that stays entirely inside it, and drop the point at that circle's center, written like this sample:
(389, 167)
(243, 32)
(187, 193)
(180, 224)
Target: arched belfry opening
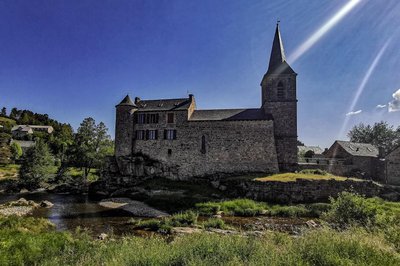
(280, 91)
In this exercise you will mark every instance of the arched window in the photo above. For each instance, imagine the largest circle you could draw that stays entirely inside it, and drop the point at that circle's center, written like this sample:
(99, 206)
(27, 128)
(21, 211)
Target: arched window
(280, 91)
(203, 144)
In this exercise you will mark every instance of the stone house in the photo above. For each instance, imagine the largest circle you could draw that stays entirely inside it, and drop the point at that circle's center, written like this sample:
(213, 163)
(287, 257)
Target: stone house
(392, 167)
(222, 141)
(356, 157)
(24, 130)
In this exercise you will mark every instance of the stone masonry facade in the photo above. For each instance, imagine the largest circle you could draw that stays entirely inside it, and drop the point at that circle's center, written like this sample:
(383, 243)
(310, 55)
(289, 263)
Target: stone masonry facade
(197, 143)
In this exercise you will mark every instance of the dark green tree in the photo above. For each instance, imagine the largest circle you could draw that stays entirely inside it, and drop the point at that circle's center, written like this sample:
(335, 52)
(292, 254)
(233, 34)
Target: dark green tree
(3, 111)
(16, 151)
(381, 134)
(5, 151)
(92, 143)
(37, 165)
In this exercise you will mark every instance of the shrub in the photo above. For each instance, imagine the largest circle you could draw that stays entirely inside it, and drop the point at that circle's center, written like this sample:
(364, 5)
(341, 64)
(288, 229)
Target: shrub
(289, 211)
(349, 209)
(215, 223)
(314, 172)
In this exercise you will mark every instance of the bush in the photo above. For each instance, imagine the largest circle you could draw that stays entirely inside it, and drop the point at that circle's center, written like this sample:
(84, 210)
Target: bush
(215, 223)
(16, 151)
(351, 209)
(164, 225)
(314, 172)
(289, 211)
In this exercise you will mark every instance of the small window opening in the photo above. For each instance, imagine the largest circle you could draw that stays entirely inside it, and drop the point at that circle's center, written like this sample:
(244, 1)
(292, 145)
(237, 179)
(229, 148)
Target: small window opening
(169, 152)
(280, 91)
(203, 144)
(170, 118)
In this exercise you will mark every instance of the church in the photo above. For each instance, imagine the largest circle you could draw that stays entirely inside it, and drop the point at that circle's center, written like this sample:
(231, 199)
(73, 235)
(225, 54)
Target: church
(197, 143)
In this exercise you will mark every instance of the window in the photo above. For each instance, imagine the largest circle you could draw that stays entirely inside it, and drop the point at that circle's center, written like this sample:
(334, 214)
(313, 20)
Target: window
(141, 118)
(153, 118)
(152, 134)
(280, 91)
(170, 118)
(169, 152)
(170, 134)
(140, 134)
(147, 118)
(203, 144)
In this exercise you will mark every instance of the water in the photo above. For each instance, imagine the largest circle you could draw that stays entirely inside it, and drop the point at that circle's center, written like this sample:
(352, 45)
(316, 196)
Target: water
(72, 211)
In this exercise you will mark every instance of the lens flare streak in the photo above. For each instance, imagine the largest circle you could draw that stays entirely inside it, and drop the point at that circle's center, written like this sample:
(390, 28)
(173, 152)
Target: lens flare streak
(316, 36)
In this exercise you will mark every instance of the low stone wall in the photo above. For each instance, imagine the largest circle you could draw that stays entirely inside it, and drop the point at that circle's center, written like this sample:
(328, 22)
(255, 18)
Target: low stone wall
(301, 191)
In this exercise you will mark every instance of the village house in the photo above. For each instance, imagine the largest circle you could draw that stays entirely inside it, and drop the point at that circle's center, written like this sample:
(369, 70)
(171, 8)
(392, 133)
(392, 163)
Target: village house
(19, 131)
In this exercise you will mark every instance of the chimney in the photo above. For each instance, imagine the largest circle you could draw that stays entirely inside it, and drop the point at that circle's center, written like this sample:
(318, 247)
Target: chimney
(191, 97)
(137, 99)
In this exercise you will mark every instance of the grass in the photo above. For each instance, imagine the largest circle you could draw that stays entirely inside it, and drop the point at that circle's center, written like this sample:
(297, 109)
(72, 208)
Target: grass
(7, 120)
(24, 241)
(292, 177)
(246, 207)
(165, 225)
(9, 171)
(76, 172)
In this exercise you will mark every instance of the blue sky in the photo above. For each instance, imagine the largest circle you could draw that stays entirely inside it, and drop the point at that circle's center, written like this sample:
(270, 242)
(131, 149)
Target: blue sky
(74, 59)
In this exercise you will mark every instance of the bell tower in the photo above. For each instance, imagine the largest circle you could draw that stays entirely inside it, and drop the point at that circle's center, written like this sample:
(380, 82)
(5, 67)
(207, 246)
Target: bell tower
(279, 99)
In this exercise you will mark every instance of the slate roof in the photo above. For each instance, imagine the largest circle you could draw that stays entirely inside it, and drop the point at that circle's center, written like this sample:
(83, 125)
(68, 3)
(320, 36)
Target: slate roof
(359, 149)
(27, 128)
(277, 61)
(229, 115)
(126, 101)
(163, 104)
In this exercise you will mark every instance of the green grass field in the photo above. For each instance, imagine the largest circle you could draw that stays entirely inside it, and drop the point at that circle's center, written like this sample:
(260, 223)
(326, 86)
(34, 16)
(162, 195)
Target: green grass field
(292, 177)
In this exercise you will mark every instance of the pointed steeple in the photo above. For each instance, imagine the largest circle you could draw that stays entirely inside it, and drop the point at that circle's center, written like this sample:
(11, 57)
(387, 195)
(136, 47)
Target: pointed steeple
(277, 61)
(127, 101)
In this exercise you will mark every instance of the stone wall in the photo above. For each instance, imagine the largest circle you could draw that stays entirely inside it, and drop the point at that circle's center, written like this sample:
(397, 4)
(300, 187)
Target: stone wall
(393, 167)
(301, 191)
(231, 147)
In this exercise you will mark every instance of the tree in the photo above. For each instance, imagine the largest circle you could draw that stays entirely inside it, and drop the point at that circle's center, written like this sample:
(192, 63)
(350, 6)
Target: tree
(92, 144)
(5, 151)
(381, 135)
(37, 164)
(16, 151)
(300, 143)
(3, 111)
(309, 154)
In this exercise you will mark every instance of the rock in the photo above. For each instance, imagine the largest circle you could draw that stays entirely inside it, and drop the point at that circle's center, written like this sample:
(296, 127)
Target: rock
(217, 216)
(46, 204)
(185, 230)
(223, 232)
(311, 224)
(102, 236)
(215, 184)
(23, 190)
(136, 208)
(264, 212)
(222, 188)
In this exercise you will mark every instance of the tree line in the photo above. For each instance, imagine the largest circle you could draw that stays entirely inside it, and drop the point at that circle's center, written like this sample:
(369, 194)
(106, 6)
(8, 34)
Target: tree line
(85, 149)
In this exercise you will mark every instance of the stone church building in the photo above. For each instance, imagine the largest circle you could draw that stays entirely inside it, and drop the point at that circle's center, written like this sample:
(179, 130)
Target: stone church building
(195, 143)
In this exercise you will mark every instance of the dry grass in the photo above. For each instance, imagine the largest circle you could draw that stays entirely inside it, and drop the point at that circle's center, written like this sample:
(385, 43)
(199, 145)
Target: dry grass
(9, 171)
(292, 177)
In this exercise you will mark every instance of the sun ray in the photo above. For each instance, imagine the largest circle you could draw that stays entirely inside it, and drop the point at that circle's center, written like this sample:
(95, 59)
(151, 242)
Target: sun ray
(325, 28)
